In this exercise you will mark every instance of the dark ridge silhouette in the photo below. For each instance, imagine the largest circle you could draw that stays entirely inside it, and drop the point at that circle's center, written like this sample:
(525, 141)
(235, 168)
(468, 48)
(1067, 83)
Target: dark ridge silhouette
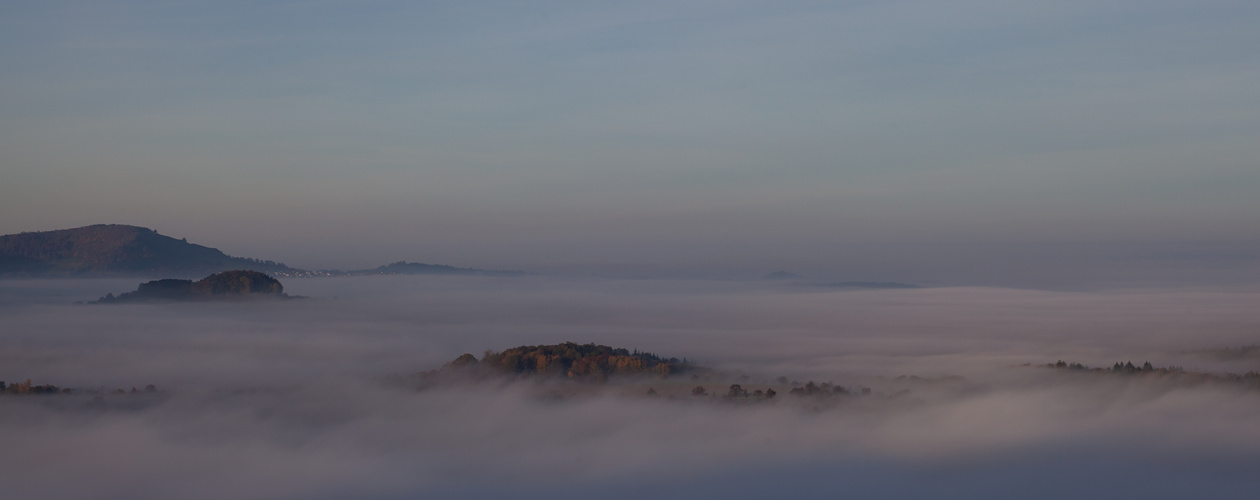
(227, 285)
(1230, 353)
(403, 267)
(114, 250)
(106, 250)
(568, 360)
(886, 285)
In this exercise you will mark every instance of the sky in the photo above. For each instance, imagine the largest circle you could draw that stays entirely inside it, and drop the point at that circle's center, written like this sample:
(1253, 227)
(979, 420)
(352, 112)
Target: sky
(1068, 180)
(909, 140)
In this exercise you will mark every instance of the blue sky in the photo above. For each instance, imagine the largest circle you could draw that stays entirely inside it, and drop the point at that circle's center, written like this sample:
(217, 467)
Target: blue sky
(543, 134)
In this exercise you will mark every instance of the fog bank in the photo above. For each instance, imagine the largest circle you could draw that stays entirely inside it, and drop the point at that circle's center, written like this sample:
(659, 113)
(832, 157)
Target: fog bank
(292, 399)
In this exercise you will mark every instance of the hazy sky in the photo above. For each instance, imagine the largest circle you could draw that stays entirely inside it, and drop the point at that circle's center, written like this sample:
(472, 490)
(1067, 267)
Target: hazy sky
(540, 134)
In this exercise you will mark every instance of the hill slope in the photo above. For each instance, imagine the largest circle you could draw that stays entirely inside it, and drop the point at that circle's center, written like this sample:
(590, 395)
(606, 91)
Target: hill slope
(114, 249)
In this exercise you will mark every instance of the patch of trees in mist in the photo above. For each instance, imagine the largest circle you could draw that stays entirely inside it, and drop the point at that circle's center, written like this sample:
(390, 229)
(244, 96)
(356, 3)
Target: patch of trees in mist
(1177, 374)
(737, 392)
(26, 388)
(569, 360)
(75, 400)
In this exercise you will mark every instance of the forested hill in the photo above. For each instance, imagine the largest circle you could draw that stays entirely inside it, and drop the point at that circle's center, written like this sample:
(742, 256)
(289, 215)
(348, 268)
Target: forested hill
(115, 250)
(570, 360)
(227, 285)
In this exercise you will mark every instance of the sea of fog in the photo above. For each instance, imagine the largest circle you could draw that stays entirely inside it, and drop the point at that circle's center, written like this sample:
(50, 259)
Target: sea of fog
(299, 398)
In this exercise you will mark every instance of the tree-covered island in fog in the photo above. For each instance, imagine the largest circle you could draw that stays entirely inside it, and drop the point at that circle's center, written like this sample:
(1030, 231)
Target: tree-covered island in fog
(647, 374)
(227, 285)
(567, 360)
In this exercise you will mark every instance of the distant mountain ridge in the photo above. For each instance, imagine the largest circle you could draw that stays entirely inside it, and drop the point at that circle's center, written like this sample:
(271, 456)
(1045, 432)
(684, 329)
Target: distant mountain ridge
(887, 285)
(115, 250)
(120, 250)
(403, 267)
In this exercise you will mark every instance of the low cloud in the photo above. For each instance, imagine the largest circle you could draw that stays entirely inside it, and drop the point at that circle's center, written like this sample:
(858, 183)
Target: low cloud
(294, 399)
